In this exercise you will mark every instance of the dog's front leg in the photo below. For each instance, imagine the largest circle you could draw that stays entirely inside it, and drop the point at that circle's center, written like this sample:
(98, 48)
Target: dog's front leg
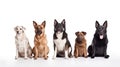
(105, 52)
(16, 57)
(76, 52)
(55, 52)
(46, 52)
(25, 52)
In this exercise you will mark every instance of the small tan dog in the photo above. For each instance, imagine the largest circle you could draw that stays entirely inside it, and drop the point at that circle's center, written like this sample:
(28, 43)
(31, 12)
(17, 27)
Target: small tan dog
(80, 45)
(23, 48)
(40, 48)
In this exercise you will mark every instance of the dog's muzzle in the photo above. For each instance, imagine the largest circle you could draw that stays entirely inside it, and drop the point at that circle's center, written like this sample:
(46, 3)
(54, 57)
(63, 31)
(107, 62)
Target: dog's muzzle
(78, 40)
(38, 32)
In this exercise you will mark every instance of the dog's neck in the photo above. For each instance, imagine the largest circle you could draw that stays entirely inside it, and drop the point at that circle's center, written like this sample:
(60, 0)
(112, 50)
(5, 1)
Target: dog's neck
(20, 36)
(59, 35)
(40, 36)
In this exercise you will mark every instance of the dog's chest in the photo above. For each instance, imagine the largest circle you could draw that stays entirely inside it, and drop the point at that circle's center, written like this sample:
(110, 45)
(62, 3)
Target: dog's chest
(60, 43)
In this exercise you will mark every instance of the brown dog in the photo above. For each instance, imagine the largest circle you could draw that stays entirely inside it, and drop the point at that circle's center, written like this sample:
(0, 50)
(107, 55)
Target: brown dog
(40, 49)
(80, 45)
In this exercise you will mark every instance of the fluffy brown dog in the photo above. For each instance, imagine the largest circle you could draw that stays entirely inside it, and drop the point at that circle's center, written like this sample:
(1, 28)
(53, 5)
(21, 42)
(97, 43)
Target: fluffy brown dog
(80, 45)
(40, 49)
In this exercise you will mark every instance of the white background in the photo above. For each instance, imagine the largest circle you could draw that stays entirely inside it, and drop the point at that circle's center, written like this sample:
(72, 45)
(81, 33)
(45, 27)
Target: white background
(80, 15)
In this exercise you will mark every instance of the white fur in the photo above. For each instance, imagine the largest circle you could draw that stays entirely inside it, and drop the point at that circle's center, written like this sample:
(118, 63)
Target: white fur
(60, 43)
(21, 42)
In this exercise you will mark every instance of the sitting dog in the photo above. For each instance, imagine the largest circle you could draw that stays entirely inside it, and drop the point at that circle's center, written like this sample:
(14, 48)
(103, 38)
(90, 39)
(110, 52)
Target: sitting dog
(40, 48)
(23, 48)
(80, 45)
(62, 46)
(100, 41)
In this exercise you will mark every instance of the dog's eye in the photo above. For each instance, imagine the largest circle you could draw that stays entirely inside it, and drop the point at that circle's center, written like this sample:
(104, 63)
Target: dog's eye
(20, 29)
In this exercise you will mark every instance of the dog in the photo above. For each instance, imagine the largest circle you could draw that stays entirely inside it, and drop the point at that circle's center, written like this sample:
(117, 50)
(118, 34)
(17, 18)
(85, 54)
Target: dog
(23, 48)
(40, 48)
(62, 46)
(98, 48)
(80, 45)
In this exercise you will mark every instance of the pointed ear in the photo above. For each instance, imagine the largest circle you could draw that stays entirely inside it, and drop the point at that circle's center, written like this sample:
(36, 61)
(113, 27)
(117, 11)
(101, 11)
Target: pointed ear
(23, 28)
(34, 24)
(44, 23)
(105, 24)
(84, 32)
(97, 24)
(55, 22)
(64, 23)
(77, 33)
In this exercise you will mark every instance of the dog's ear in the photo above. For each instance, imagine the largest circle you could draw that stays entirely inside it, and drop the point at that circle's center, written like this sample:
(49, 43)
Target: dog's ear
(55, 22)
(64, 23)
(97, 24)
(105, 24)
(44, 23)
(34, 24)
(77, 33)
(23, 28)
(15, 28)
(84, 32)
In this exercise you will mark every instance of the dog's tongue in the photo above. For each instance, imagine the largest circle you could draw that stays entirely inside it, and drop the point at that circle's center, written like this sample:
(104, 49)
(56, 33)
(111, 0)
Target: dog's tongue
(101, 36)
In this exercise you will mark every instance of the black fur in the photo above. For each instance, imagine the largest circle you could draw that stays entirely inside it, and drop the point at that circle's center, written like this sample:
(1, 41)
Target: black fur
(60, 27)
(98, 48)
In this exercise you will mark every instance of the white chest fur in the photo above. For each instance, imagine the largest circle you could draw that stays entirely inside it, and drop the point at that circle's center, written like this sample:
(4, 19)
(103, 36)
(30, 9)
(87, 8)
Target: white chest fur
(60, 43)
(21, 43)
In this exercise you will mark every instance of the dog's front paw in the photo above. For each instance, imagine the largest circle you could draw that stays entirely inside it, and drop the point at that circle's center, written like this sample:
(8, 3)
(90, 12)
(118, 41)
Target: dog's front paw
(25, 58)
(54, 57)
(106, 56)
(66, 57)
(46, 57)
(92, 57)
(16, 58)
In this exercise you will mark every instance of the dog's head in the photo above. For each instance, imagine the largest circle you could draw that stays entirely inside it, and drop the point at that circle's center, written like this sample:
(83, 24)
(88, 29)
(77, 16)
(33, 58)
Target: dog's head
(39, 29)
(80, 36)
(101, 29)
(59, 27)
(19, 29)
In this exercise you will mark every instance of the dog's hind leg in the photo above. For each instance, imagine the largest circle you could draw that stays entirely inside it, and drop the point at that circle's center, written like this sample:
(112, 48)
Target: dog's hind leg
(90, 51)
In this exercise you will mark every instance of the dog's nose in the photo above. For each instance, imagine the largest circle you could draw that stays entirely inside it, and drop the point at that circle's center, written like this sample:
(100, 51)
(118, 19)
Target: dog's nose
(17, 32)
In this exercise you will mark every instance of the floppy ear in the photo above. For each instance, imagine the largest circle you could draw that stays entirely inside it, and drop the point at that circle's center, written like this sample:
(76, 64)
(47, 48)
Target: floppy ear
(23, 28)
(105, 24)
(64, 23)
(55, 22)
(77, 33)
(97, 24)
(44, 23)
(15, 28)
(34, 24)
(84, 32)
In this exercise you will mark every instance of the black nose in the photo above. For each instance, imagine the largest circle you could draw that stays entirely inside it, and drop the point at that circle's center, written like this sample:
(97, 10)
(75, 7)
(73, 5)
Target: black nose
(38, 32)
(17, 32)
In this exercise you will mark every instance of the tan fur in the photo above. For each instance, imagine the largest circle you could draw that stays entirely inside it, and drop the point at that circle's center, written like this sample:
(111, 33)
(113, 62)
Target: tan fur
(80, 48)
(40, 48)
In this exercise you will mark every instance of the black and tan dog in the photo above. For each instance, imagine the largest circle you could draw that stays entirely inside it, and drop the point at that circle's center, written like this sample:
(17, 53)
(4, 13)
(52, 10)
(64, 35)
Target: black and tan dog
(80, 45)
(98, 48)
(40, 48)
(62, 46)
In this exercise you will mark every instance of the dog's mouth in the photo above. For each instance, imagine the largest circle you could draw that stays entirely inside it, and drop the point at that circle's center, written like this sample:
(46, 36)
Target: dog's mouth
(59, 32)
(101, 36)
(39, 32)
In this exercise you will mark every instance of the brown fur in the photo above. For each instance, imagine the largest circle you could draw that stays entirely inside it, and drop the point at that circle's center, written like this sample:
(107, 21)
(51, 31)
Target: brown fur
(80, 47)
(40, 49)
